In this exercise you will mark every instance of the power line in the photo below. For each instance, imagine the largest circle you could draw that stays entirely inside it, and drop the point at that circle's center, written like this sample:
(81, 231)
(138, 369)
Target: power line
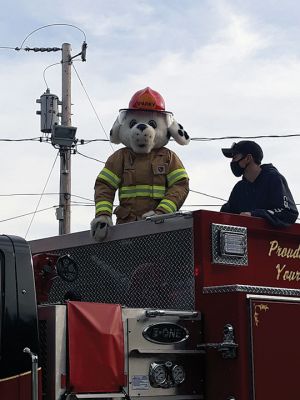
(201, 139)
(44, 194)
(207, 195)
(38, 203)
(202, 205)
(44, 76)
(38, 29)
(90, 205)
(92, 105)
(25, 194)
(83, 204)
(46, 139)
(36, 139)
(47, 26)
(80, 197)
(73, 205)
(52, 65)
(91, 158)
(206, 139)
(90, 200)
(24, 215)
(87, 141)
(7, 47)
(34, 212)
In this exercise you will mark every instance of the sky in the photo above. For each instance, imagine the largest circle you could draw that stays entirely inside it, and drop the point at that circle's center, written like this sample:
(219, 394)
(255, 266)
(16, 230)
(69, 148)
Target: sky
(224, 67)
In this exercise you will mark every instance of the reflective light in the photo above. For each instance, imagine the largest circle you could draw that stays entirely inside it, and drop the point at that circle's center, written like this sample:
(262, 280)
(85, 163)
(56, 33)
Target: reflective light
(233, 244)
(63, 135)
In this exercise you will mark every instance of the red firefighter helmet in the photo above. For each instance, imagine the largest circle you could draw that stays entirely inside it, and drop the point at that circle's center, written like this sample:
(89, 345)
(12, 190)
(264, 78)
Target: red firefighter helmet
(147, 100)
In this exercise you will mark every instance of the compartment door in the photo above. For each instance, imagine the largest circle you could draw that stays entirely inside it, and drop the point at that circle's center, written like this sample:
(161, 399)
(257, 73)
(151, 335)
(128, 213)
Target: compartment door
(275, 334)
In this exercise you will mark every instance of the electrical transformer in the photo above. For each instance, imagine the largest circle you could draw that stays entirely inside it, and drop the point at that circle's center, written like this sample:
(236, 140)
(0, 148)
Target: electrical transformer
(49, 111)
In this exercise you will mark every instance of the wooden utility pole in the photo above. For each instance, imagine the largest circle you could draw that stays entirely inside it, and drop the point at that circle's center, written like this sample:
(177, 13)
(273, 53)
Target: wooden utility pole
(63, 137)
(64, 211)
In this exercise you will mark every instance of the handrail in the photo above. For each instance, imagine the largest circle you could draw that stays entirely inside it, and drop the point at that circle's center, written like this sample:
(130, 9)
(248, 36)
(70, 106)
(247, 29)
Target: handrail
(34, 372)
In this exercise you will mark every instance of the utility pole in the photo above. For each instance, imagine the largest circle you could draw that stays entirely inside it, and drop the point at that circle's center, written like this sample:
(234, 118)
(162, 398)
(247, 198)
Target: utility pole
(63, 137)
(64, 214)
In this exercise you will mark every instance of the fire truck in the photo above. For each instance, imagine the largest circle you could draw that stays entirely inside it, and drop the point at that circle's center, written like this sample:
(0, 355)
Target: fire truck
(191, 305)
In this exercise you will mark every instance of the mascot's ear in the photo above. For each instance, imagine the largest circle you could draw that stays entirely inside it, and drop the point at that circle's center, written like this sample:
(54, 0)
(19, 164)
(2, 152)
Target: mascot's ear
(114, 132)
(177, 132)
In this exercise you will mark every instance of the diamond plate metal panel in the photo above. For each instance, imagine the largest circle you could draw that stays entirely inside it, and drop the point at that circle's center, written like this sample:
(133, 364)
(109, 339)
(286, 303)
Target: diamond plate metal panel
(156, 270)
(259, 290)
(217, 257)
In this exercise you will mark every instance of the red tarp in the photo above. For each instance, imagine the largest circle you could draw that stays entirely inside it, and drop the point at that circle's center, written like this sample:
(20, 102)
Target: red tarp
(96, 347)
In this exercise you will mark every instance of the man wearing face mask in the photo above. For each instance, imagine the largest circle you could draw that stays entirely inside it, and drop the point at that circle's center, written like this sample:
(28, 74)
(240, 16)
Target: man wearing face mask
(262, 191)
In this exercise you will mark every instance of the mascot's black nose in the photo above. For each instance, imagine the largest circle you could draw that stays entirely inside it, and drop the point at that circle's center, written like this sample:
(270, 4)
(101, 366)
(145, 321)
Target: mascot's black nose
(141, 127)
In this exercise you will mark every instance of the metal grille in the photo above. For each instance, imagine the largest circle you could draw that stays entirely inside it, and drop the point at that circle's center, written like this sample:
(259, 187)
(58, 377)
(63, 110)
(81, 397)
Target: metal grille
(43, 354)
(156, 270)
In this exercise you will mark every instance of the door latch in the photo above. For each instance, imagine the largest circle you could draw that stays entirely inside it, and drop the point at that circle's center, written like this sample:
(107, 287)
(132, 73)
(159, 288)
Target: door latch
(228, 347)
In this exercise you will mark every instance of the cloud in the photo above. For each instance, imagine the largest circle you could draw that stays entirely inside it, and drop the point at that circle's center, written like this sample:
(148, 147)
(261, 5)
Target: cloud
(217, 64)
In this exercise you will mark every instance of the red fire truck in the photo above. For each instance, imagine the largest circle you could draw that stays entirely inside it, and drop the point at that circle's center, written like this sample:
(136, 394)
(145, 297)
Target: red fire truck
(200, 305)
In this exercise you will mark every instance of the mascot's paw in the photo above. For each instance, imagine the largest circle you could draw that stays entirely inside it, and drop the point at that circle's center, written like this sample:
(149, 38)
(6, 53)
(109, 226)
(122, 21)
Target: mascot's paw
(151, 213)
(99, 227)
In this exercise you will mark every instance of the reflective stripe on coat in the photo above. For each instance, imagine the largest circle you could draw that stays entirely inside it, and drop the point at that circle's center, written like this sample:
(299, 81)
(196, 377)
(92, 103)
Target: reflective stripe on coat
(154, 181)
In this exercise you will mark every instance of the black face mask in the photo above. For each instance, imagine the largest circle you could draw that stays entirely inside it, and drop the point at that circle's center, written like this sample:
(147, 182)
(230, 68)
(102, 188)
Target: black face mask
(236, 169)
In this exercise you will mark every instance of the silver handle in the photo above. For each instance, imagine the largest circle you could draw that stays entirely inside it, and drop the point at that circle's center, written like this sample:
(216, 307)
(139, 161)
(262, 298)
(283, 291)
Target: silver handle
(161, 217)
(161, 350)
(34, 372)
(170, 313)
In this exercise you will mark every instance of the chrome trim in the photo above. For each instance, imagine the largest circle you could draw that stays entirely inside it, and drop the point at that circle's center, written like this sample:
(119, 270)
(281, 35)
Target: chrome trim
(97, 396)
(273, 298)
(167, 351)
(260, 290)
(145, 333)
(120, 395)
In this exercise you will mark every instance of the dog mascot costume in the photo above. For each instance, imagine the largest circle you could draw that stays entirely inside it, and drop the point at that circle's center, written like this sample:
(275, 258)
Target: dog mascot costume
(149, 177)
